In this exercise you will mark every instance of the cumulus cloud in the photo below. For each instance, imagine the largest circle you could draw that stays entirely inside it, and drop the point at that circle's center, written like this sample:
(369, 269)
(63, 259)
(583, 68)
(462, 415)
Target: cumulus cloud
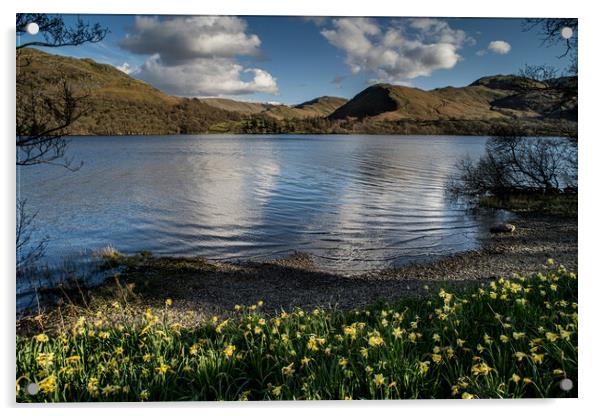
(197, 55)
(180, 39)
(499, 46)
(206, 77)
(404, 50)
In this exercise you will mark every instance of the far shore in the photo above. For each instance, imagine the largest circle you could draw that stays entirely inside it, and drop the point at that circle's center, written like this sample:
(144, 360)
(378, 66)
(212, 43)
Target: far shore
(214, 288)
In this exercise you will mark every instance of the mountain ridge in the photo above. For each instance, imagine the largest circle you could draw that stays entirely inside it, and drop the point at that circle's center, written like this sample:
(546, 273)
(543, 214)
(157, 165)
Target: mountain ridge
(121, 104)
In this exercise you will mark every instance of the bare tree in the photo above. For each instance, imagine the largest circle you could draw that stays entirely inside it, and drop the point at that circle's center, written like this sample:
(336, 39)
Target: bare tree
(27, 251)
(515, 163)
(550, 31)
(42, 120)
(57, 33)
(44, 114)
(541, 73)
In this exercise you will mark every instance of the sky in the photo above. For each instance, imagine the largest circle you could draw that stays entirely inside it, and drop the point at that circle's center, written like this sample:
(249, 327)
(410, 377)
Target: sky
(292, 59)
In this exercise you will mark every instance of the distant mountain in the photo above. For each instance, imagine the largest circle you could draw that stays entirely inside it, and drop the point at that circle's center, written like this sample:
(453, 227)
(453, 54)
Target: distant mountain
(120, 104)
(318, 107)
(490, 98)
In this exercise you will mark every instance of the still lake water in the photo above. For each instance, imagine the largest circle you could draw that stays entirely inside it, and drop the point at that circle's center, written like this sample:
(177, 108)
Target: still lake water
(355, 203)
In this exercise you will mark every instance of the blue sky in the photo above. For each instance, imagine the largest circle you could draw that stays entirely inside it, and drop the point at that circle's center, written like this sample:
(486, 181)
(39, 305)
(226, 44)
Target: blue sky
(294, 59)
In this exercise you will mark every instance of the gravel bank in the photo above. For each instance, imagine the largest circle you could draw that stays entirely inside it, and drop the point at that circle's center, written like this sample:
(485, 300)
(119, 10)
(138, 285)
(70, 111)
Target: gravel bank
(296, 282)
(214, 289)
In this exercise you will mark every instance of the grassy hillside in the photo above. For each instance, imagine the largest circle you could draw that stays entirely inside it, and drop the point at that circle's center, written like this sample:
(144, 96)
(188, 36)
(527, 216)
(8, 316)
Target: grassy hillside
(120, 104)
(490, 98)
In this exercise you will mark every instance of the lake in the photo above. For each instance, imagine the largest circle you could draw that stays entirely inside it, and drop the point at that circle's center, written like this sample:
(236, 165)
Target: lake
(355, 203)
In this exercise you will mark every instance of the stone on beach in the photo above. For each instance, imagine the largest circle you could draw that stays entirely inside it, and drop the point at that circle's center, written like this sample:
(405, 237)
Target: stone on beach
(503, 228)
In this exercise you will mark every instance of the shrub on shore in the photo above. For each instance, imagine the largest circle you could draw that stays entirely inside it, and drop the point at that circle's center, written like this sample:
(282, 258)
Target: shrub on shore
(512, 337)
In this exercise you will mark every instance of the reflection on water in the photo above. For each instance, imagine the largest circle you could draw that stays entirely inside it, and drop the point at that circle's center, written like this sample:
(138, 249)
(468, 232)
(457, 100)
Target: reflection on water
(356, 203)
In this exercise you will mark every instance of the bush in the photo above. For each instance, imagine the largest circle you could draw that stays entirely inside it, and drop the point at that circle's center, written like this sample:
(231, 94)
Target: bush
(517, 164)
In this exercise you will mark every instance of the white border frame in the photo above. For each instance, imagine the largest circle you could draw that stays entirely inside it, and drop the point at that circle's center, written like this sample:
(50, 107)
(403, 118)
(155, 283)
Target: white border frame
(590, 151)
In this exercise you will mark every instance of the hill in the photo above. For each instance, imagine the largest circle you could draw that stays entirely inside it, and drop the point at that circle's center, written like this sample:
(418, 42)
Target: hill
(492, 98)
(119, 104)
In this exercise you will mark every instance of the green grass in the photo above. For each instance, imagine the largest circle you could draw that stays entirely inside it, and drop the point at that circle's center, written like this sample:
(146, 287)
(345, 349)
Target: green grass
(508, 338)
(564, 205)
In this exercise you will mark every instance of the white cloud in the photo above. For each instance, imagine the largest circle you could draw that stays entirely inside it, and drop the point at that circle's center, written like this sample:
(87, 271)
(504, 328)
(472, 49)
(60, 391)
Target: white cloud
(499, 46)
(406, 49)
(206, 77)
(125, 67)
(197, 55)
(179, 39)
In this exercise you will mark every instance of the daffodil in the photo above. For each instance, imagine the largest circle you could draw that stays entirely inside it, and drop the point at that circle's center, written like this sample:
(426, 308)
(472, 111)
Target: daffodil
(45, 359)
(423, 367)
(48, 385)
(537, 358)
(41, 338)
(276, 391)
(375, 341)
(467, 396)
(92, 386)
(350, 331)
(379, 379)
(229, 350)
(481, 369)
(73, 359)
(364, 352)
(163, 369)
(288, 370)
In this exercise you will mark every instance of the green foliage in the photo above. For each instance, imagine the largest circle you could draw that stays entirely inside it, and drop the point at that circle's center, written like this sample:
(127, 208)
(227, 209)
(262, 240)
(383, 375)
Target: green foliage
(513, 337)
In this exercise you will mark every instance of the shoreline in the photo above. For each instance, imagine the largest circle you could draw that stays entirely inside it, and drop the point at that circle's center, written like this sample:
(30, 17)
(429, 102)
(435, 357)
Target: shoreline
(215, 288)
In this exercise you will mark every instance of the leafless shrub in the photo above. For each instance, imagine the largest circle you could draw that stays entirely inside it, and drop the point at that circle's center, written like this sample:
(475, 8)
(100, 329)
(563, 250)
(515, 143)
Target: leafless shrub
(515, 163)
(28, 252)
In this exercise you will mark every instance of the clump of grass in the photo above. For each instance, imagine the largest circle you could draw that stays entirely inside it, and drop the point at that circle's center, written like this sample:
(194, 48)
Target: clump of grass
(110, 256)
(559, 204)
(514, 337)
(145, 260)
